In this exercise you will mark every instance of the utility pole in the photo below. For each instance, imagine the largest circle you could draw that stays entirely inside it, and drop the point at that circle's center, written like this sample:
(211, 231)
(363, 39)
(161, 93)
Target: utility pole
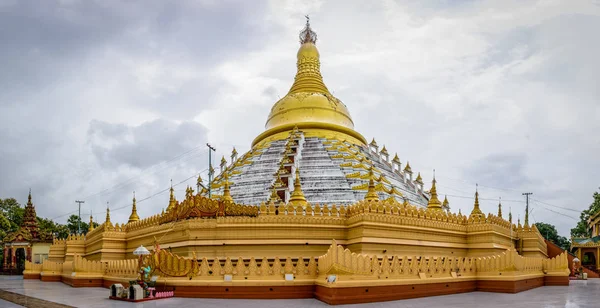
(79, 222)
(210, 168)
(527, 207)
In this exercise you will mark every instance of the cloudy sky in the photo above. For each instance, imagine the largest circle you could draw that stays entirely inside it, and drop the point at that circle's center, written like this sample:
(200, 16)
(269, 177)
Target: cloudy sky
(101, 98)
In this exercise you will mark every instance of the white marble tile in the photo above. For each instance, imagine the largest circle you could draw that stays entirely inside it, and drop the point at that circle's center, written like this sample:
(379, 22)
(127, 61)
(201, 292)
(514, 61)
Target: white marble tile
(580, 294)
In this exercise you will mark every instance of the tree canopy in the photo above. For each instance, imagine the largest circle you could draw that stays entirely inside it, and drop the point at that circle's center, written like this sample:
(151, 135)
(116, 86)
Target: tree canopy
(549, 232)
(582, 230)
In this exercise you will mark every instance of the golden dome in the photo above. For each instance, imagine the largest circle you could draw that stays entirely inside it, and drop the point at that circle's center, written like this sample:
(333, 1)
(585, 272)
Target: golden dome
(309, 105)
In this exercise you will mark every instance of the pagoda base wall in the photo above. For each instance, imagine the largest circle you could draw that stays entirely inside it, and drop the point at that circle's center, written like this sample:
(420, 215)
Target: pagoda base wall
(31, 276)
(246, 291)
(371, 294)
(504, 286)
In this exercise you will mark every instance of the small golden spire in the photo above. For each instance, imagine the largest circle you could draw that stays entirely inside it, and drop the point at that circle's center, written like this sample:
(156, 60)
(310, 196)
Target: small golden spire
(199, 180)
(297, 197)
(407, 169)
(384, 151)
(510, 215)
(107, 223)
(459, 213)
(445, 203)
(234, 154)
(371, 193)
(278, 182)
(500, 207)
(373, 143)
(396, 159)
(91, 226)
(274, 196)
(226, 193)
(134, 216)
(419, 179)
(172, 200)
(434, 203)
(476, 211)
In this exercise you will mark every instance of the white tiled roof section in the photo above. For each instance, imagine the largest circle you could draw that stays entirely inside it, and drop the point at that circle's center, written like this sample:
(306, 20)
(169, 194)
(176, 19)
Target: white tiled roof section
(323, 180)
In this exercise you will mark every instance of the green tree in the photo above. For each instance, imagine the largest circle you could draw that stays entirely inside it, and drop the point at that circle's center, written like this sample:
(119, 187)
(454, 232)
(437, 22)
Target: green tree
(48, 226)
(549, 232)
(582, 228)
(12, 210)
(4, 227)
(73, 227)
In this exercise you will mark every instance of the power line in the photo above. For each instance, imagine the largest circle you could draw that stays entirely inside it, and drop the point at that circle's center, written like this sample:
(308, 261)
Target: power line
(138, 201)
(556, 206)
(126, 182)
(559, 213)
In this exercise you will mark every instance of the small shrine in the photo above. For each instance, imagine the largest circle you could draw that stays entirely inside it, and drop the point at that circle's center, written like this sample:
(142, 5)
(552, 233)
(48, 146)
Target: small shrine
(25, 244)
(587, 249)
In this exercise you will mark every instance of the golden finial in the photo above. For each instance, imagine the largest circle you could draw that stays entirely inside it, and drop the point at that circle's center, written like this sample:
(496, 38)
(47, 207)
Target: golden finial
(434, 203)
(371, 193)
(199, 180)
(134, 216)
(384, 151)
(223, 161)
(297, 197)
(211, 170)
(407, 169)
(172, 196)
(459, 213)
(234, 154)
(500, 207)
(396, 159)
(373, 143)
(510, 215)
(476, 211)
(445, 203)
(226, 193)
(307, 35)
(419, 179)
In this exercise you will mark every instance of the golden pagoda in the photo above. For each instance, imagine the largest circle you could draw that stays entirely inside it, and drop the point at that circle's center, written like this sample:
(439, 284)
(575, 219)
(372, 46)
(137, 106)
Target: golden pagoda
(352, 227)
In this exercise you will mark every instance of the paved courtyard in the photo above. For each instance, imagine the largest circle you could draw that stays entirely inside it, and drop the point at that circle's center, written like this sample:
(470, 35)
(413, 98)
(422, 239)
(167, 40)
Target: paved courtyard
(578, 294)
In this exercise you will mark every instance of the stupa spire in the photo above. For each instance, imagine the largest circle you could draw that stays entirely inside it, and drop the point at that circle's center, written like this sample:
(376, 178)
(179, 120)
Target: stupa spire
(309, 105)
(107, 222)
(226, 192)
(371, 193)
(476, 210)
(434, 203)
(500, 207)
(445, 203)
(308, 78)
(134, 216)
(297, 197)
(91, 226)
